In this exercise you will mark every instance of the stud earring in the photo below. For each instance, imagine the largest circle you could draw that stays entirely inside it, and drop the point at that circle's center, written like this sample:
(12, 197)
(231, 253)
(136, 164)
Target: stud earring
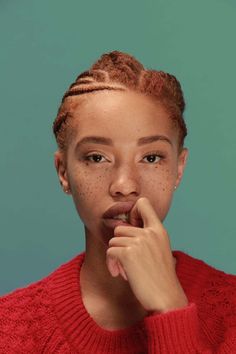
(175, 187)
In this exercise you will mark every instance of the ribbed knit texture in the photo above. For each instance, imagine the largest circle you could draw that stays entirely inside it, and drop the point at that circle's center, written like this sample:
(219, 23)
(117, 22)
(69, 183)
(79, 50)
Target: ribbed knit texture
(49, 316)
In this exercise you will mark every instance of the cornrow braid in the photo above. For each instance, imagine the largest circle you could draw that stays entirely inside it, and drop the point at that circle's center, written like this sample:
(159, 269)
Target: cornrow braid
(86, 82)
(121, 71)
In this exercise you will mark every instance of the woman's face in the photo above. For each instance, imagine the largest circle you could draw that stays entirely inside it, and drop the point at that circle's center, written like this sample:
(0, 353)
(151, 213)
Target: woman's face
(117, 167)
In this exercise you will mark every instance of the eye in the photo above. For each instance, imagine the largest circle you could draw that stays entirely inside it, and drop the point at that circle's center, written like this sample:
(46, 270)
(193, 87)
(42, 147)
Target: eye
(88, 158)
(152, 157)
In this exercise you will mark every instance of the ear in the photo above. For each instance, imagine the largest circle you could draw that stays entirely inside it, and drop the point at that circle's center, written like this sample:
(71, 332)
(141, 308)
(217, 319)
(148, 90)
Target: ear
(182, 160)
(61, 168)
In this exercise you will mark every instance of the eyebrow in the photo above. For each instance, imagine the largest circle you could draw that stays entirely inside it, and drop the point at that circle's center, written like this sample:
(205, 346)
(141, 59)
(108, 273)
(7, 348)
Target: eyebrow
(107, 141)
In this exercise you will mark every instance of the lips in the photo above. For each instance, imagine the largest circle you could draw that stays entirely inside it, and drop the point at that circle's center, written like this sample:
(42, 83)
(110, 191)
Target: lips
(118, 208)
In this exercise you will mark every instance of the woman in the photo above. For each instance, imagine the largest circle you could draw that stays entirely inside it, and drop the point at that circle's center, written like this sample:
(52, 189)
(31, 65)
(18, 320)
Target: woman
(120, 133)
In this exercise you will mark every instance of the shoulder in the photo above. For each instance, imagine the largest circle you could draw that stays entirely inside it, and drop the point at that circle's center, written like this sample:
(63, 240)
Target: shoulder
(188, 265)
(27, 314)
(22, 317)
(212, 289)
(219, 295)
(217, 306)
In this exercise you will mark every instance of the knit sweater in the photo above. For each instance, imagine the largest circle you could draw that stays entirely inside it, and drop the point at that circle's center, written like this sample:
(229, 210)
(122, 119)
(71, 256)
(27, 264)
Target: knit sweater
(49, 316)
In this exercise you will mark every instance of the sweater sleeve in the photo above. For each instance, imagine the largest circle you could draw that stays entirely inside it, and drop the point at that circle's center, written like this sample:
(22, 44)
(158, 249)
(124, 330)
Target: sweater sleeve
(206, 327)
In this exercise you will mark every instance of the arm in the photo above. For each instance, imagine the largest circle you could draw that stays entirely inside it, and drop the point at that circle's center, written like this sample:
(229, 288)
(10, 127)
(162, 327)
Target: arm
(175, 331)
(185, 331)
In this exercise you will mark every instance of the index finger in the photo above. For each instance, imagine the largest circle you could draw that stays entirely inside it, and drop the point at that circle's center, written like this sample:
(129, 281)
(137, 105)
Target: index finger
(144, 213)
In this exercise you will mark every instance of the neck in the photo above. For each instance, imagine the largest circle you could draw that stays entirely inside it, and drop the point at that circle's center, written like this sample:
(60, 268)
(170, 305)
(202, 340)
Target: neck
(96, 280)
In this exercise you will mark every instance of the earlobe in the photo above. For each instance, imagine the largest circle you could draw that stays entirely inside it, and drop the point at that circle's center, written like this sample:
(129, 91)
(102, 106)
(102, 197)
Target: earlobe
(61, 169)
(182, 161)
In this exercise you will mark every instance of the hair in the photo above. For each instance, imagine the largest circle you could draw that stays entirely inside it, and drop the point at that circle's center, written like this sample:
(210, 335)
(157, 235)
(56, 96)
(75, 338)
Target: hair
(121, 71)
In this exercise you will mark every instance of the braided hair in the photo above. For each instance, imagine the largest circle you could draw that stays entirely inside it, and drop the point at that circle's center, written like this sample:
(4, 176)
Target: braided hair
(120, 71)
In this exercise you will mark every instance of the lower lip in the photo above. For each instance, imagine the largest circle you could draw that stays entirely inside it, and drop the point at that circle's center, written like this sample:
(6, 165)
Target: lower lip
(112, 223)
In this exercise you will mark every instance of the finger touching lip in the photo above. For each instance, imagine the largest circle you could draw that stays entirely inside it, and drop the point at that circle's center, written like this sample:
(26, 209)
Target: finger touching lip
(112, 223)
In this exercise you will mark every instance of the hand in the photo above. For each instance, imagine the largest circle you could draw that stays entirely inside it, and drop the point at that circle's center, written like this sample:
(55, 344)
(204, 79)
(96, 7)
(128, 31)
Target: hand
(143, 257)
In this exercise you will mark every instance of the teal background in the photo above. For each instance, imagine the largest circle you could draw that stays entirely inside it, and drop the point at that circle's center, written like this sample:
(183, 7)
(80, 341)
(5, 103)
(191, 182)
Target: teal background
(44, 46)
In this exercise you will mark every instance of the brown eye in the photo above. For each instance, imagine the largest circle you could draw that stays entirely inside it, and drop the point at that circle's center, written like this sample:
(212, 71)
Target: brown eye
(95, 158)
(152, 157)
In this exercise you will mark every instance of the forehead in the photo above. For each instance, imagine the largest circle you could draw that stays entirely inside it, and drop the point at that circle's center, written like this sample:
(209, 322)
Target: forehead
(120, 115)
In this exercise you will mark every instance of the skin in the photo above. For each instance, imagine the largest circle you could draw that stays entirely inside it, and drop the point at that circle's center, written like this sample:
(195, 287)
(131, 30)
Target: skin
(118, 272)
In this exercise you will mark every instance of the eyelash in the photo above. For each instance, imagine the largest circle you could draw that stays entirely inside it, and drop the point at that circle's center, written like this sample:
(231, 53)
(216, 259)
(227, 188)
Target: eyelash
(87, 158)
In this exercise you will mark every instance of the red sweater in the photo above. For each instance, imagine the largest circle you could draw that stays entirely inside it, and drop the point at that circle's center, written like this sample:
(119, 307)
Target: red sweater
(49, 316)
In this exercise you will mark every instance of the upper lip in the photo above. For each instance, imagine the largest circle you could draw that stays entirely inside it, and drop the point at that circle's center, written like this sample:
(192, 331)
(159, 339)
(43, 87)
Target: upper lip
(118, 208)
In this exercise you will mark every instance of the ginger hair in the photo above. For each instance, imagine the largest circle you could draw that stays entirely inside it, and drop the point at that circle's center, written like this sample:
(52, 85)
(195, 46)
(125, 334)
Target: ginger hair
(120, 71)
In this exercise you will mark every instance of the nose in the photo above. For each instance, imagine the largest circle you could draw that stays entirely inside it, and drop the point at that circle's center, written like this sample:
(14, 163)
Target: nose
(125, 181)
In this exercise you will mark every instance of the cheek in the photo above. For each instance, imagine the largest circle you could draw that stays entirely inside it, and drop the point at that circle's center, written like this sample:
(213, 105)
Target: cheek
(160, 190)
(161, 181)
(88, 189)
(87, 185)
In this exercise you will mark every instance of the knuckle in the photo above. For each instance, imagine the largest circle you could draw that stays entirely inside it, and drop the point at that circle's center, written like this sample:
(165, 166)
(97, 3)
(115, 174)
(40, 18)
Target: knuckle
(150, 231)
(128, 252)
(138, 241)
(109, 252)
(165, 233)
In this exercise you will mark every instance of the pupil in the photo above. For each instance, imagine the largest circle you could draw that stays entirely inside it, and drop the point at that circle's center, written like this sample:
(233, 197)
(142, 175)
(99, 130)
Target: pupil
(152, 157)
(97, 157)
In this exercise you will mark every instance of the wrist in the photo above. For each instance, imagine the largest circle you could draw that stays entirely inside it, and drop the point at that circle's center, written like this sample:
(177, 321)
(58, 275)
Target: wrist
(176, 304)
(179, 304)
